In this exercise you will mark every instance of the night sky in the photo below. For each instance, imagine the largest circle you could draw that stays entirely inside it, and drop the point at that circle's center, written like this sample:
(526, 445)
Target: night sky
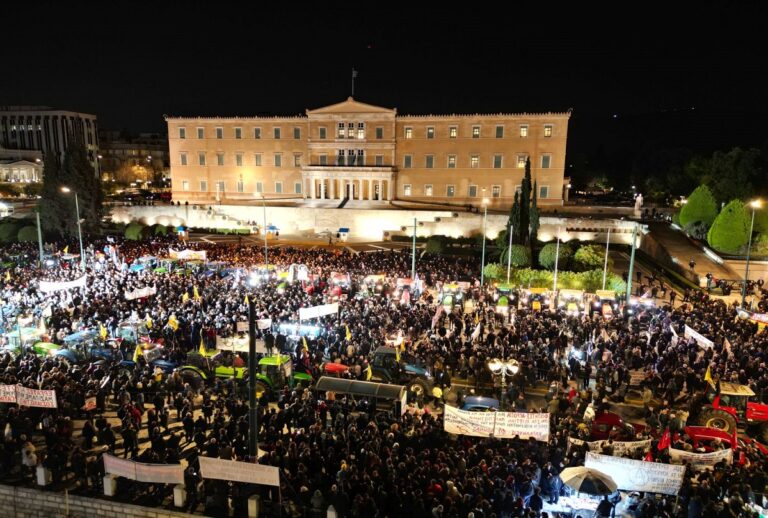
(691, 77)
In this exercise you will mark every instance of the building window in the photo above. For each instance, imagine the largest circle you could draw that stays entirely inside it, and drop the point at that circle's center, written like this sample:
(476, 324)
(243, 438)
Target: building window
(323, 134)
(182, 133)
(450, 191)
(297, 188)
(203, 186)
(360, 130)
(379, 160)
(219, 158)
(350, 157)
(499, 131)
(406, 189)
(185, 185)
(259, 187)
(407, 162)
(496, 191)
(323, 159)
(201, 158)
(257, 159)
(240, 186)
(451, 161)
(472, 192)
(276, 133)
(239, 159)
(340, 157)
(521, 159)
(257, 133)
(238, 133)
(279, 187)
(278, 160)
(379, 133)
(453, 132)
(219, 133)
(547, 130)
(497, 161)
(296, 133)
(297, 160)
(220, 186)
(544, 191)
(475, 131)
(351, 130)
(201, 133)
(524, 130)
(546, 161)
(341, 130)
(361, 157)
(474, 161)
(408, 132)
(183, 158)
(431, 132)
(428, 189)
(430, 162)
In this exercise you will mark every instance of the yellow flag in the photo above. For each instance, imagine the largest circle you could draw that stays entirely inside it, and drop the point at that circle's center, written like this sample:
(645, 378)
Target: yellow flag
(102, 332)
(197, 293)
(185, 297)
(201, 350)
(246, 300)
(477, 319)
(708, 377)
(136, 353)
(397, 354)
(173, 323)
(368, 373)
(349, 335)
(149, 322)
(66, 249)
(304, 341)
(7, 275)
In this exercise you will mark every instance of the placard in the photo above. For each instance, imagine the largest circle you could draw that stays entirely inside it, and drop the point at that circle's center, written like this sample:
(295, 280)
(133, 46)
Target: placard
(90, 404)
(703, 341)
(187, 255)
(140, 293)
(48, 286)
(619, 447)
(37, 398)
(242, 327)
(7, 393)
(318, 311)
(502, 425)
(638, 475)
(239, 471)
(239, 345)
(142, 472)
(264, 323)
(701, 461)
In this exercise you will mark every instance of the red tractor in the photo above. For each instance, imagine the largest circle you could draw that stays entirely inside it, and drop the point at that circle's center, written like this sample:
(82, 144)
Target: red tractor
(731, 407)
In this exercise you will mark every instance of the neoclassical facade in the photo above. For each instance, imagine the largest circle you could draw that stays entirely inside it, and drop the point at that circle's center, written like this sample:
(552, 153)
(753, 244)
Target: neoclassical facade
(356, 151)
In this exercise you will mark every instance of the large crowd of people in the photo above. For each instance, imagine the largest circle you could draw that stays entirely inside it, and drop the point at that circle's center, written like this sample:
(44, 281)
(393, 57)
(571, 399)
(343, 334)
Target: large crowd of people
(343, 451)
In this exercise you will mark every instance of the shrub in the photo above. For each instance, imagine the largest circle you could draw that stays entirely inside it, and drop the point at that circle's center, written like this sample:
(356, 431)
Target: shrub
(27, 234)
(436, 245)
(161, 230)
(590, 257)
(730, 231)
(761, 220)
(547, 256)
(521, 256)
(8, 232)
(530, 278)
(701, 206)
(32, 189)
(697, 229)
(133, 231)
(494, 272)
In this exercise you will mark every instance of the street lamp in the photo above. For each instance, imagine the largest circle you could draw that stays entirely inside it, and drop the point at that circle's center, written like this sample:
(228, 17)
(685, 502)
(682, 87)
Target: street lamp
(482, 263)
(754, 204)
(504, 368)
(79, 230)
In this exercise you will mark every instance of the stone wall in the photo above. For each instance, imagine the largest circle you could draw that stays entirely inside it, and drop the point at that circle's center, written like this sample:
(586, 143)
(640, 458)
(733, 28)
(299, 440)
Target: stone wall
(18, 502)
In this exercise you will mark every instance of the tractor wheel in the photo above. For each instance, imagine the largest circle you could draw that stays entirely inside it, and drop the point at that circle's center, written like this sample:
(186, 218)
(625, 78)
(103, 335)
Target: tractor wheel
(419, 387)
(194, 379)
(261, 388)
(720, 419)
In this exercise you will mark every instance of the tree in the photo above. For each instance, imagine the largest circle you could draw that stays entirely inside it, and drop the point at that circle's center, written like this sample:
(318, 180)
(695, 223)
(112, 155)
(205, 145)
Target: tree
(521, 256)
(590, 257)
(514, 219)
(730, 230)
(134, 231)
(701, 206)
(547, 256)
(737, 174)
(27, 234)
(534, 216)
(436, 245)
(78, 174)
(52, 206)
(494, 272)
(525, 204)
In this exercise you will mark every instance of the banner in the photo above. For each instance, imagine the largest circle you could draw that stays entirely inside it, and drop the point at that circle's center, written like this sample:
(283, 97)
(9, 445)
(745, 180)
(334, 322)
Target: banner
(239, 345)
(619, 447)
(638, 475)
(239, 471)
(141, 472)
(37, 398)
(264, 323)
(140, 293)
(502, 425)
(700, 461)
(7, 393)
(90, 404)
(318, 311)
(48, 286)
(187, 255)
(703, 342)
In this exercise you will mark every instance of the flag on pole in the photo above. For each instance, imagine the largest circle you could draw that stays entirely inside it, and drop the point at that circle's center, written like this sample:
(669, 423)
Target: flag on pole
(136, 353)
(708, 377)
(66, 249)
(368, 373)
(304, 342)
(246, 300)
(149, 322)
(196, 293)
(665, 441)
(102, 332)
(173, 323)
(477, 318)
(349, 335)
(7, 275)
(201, 350)
(185, 297)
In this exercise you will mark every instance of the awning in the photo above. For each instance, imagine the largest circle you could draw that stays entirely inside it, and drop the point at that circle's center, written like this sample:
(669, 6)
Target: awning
(344, 230)
(360, 388)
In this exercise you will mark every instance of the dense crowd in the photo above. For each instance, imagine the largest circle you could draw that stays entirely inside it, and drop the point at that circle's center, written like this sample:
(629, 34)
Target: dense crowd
(341, 451)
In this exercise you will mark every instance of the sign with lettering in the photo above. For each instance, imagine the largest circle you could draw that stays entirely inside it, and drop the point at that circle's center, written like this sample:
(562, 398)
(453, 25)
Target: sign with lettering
(701, 461)
(239, 471)
(140, 293)
(142, 472)
(502, 425)
(37, 398)
(187, 255)
(703, 341)
(638, 475)
(7, 393)
(619, 447)
(318, 311)
(48, 286)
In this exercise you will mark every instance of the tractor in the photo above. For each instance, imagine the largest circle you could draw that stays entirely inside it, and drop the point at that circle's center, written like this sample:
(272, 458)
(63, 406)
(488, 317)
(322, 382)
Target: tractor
(731, 407)
(388, 366)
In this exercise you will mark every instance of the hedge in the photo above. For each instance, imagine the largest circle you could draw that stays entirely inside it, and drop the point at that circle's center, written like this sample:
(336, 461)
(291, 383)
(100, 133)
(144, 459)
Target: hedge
(27, 234)
(133, 231)
(8, 232)
(701, 206)
(730, 231)
(589, 281)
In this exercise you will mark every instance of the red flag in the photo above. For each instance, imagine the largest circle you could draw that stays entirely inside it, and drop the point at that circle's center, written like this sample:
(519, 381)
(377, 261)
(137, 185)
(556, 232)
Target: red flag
(648, 456)
(665, 441)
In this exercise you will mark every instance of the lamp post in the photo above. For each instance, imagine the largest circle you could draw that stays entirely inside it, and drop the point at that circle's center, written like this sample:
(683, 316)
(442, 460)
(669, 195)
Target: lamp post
(482, 262)
(605, 264)
(264, 204)
(253, 411)
(509, 251)
(557, 257)
(754, 204)
(79, 230)
(504, 367)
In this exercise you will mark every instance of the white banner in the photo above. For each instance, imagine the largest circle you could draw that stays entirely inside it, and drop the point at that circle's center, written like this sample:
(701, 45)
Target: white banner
(700, 339)
(502, 425)
(700, 461)
(187, 255)
(239, 345)
(264, 323)
(140, 293)
(37, 398)
(638, 475)
(141, 472)
(7, 393)
(239, 471)
(48, 286)
(318, 311)
(619, 447)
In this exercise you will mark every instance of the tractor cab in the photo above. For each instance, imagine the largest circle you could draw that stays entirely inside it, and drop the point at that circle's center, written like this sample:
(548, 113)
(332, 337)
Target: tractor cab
(451, 293)
(504, 296)
(535, 299)
(339, 285)
(604, 304)
(372, 285)
(404, 290)
(276, 372)
(388, 366)
(732, 406)
(145, 262)
(571, 302)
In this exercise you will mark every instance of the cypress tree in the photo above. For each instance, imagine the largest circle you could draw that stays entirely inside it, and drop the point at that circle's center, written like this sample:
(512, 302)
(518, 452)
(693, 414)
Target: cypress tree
(525, 204)
(514, 219)
(51, 205)
(79, 175)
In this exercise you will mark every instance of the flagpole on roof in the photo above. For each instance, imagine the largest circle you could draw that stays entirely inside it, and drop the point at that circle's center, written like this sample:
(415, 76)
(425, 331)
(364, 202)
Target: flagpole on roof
(354, 75)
